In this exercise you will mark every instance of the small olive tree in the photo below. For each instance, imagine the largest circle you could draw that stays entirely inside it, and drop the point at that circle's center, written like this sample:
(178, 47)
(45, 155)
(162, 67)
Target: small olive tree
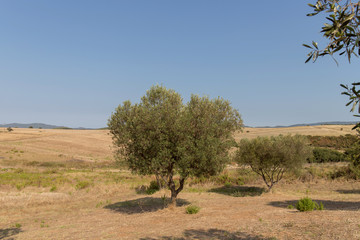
(162, 136)
(272, 157)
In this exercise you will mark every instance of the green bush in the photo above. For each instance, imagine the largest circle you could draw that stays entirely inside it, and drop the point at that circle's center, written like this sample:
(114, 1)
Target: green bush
(153, 188)
(192, 209)
(306, 204)
(323, 155)
(353, 154)
(82, 184)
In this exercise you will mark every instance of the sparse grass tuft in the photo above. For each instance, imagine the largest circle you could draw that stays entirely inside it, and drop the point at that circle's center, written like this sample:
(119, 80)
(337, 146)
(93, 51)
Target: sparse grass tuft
(17, 225)
(82, 185)
(192, 209)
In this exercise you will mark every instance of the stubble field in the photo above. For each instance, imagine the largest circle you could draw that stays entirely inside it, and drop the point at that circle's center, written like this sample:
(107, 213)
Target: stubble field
(64, 184)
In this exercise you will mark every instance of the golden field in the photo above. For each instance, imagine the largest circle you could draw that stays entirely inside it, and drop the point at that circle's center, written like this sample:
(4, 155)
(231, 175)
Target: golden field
(64, 184)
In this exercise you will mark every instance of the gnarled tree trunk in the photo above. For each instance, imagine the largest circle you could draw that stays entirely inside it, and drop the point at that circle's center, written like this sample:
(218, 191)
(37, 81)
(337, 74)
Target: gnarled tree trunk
(174, 191)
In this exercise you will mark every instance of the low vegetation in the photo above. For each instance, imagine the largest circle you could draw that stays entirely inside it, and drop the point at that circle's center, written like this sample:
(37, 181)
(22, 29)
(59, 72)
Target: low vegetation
(324, 155)
(341, 142)
(307, 204)
(192, 209)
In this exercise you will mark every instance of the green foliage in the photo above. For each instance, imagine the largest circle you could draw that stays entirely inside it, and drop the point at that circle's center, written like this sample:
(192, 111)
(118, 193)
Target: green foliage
(153, 188)
(342, 32)
(162, 136)
(323, 155)
(342, 28)
(307, 204)
(341, 142)
(82, 185)
(272, 157)
(192, 209)
(290, 206)
(353, 154)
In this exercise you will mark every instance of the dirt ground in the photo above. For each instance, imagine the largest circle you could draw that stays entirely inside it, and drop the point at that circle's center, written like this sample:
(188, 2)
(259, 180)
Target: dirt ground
(124, 214)
(114, 210)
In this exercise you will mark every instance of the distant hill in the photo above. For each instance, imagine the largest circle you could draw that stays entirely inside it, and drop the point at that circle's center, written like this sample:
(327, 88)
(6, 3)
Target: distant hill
(36, 125)
(48, 126)
(314, 124)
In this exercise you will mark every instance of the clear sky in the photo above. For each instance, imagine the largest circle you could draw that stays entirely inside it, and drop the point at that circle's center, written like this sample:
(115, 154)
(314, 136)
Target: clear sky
(73, 62)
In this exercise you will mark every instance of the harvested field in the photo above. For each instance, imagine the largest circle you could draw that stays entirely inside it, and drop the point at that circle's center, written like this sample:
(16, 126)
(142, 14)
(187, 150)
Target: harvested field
(61, 184)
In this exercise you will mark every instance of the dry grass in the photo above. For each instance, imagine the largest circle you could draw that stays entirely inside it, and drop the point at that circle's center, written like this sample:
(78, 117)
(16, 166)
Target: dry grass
(108, 207)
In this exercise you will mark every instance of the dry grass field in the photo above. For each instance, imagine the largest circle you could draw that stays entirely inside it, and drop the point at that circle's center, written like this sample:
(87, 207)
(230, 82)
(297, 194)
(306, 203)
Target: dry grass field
(63, 184)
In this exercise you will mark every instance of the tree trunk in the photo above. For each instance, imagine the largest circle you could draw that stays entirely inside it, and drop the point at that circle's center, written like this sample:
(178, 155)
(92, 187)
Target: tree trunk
(158, 180)
(174, 191)
(173, 198)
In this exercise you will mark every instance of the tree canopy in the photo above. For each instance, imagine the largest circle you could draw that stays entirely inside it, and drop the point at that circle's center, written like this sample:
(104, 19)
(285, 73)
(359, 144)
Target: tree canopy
(162, 136)
(271, 157)
(342, 30)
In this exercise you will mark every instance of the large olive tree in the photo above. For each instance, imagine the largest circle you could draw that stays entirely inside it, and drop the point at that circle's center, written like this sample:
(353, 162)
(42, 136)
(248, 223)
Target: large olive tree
(162, 136)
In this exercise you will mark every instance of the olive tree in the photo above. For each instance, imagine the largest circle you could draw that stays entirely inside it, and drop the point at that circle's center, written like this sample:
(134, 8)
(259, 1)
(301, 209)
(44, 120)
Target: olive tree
(162, 136)
(271, 157)
(342, 30)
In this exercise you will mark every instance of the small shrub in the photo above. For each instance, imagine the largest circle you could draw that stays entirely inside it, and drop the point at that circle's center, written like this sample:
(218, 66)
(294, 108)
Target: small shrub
(290, 206)
(53, 189)
(306, 204)
(153, 188)
(150, 191)
(20, 186)
(10, 129)
(17, 225)
(192, 209)
(154, 185)
(82, 185)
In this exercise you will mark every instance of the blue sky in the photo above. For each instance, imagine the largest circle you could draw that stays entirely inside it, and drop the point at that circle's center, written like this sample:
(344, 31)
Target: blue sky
(73, 62)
